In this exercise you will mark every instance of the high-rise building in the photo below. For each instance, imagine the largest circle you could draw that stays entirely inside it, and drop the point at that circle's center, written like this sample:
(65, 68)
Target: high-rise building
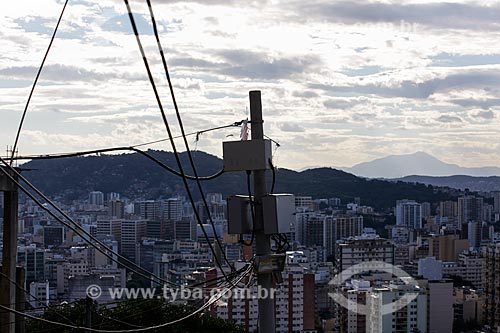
(326, 230)
(109, 226)
(148, 210)
(354, 251)
(439, 305)
(116, 208)
(33, 261)
(113, 196)
(132, 232)
(349, 321)
(426, 210)
(410, 318)
(301, 217)
(488, 213)
(96, 198)
(496, 202)
(53, 235)
(345, 226)
(185, 229)
(470, 208)
(173, 209)
(409, 213)
(448, 209)
(473, 268)
(447, 247)
(303, 202)
(491, 253)
(475, 233)
(294, 304)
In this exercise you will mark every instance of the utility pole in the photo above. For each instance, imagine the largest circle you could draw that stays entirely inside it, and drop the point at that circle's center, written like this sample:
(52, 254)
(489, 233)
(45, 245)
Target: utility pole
(20, 300)
(88, 309)
(7, 281)
(263, 241)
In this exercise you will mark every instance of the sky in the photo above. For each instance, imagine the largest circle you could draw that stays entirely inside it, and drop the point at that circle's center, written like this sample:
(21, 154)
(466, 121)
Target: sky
(343, 82)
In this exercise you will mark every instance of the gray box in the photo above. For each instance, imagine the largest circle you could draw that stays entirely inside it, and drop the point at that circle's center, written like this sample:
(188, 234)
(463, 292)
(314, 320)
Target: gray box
(279, 213)
(246, 155)
(239, 215)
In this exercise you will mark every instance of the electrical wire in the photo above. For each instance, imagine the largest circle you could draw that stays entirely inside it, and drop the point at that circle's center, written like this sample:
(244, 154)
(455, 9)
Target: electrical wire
(172, 143)
(35, 82)
(34, 297)
(197, 133)
(104, 150)
(131, 148)
(77, 226)
(212, 300)
(181, 126)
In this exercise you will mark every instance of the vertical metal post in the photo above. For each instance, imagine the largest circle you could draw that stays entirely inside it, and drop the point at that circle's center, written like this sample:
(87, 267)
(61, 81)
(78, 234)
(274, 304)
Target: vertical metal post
(20, 300)
(88, 309)
(263, 241)
(7, 285)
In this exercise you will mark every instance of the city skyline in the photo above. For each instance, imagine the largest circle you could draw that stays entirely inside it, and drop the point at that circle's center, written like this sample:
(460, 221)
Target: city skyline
(329, 87)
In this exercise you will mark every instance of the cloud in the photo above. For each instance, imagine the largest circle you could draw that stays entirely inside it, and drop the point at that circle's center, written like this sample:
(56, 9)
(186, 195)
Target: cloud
(343, 103)
(483, 104)
(305, 94)
(449, 119)
(440, 15)
(188, 62)
(252, 65)
(485, 114)
(419, 90)
(249, 64)
(65, 73)
(290, 127)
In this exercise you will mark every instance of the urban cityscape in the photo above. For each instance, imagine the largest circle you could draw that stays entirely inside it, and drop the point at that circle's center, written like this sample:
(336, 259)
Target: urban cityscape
(450, 247)
(266, 166)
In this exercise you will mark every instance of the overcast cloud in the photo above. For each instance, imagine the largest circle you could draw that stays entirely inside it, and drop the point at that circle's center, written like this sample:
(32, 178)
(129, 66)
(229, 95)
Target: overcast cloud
(356, 80)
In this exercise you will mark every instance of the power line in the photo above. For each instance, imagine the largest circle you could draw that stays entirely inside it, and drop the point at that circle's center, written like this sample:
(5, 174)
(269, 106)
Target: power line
(35, 82)
(212, 300)
(181, 126)
(167, 126)
(105, 150)
(78, 227)
(34, 297)
(197, 133)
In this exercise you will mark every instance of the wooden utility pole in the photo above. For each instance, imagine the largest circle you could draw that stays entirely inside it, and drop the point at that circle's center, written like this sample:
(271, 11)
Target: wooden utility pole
(9, 250)
(263, 241)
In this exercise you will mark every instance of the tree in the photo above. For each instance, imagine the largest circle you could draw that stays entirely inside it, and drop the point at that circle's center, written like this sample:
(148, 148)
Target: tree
(132, 314)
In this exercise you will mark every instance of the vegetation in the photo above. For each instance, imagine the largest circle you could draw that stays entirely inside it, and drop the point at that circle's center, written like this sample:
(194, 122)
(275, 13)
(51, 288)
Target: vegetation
(135, 176)
(132, 314)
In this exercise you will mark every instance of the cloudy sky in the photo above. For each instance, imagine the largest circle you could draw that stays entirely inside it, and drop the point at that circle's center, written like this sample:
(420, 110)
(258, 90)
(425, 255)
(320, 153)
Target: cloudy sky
(342, 82)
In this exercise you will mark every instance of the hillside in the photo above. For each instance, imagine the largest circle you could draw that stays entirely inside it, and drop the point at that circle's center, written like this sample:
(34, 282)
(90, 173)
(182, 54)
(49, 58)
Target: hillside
(419, 163)
(461, 182)
(134, 176)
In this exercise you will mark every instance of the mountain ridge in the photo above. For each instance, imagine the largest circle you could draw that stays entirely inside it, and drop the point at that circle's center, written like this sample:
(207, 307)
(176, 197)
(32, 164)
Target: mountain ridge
(419, 163)
(462, 182)
(134, 176)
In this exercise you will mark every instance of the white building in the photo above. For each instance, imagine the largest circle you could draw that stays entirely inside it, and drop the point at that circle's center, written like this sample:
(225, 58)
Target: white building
(409, 213)
(41, 292)
(294, 299)
(410, 318)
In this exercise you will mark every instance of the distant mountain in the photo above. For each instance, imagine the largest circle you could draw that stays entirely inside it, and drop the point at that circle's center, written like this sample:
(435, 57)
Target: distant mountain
(419, 163)
(134, 176)
(479, 184)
